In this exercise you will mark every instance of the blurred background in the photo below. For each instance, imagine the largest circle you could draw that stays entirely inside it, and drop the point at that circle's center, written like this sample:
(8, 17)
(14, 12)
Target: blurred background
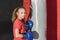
(6, 9)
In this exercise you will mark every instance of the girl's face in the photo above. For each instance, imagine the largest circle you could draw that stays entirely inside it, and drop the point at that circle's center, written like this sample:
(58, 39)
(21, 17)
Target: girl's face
(21, 13)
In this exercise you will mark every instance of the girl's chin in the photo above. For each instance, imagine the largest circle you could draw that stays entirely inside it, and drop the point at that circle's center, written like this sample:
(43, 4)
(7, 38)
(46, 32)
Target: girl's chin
(22, 17)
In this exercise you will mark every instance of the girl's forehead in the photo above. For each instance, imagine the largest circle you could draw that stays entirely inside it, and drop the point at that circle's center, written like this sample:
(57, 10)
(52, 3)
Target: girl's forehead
(21, 9)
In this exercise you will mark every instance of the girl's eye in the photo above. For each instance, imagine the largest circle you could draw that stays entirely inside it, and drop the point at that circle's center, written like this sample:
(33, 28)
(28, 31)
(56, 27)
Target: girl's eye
(21, 12)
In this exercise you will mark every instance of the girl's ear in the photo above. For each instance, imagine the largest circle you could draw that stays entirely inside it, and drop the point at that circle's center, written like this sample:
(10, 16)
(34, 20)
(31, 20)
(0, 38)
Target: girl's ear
(17, 13)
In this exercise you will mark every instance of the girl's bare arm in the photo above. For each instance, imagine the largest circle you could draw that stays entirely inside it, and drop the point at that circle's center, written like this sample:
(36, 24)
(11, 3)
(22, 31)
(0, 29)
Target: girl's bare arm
(18, 35)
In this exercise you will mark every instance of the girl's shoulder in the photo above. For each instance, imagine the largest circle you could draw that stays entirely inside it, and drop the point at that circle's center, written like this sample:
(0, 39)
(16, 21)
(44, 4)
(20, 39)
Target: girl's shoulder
(17, 21)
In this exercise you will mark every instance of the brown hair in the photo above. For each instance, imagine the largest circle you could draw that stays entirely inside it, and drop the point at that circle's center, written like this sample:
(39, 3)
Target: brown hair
(14, 16)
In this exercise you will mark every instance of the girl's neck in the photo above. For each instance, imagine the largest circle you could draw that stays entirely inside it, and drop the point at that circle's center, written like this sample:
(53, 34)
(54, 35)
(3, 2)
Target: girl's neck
(19, 18)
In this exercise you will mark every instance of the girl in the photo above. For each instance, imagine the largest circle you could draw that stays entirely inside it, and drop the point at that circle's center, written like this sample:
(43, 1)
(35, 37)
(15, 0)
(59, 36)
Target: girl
(18, 23)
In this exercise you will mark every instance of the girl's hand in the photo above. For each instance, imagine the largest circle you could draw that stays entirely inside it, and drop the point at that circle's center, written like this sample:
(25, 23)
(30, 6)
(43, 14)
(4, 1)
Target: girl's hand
(28, 30)
(20, 36)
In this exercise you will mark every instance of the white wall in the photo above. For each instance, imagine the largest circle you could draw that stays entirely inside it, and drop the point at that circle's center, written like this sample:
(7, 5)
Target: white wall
(39, 18)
